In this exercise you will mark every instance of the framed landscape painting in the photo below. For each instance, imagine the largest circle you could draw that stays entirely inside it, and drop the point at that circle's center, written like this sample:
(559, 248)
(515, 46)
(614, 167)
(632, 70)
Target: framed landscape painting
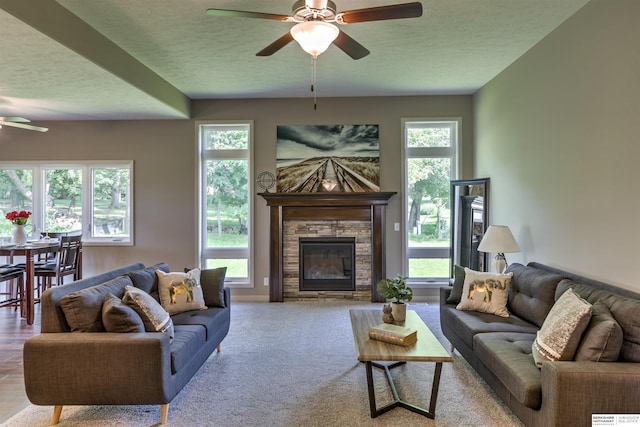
(339, 158)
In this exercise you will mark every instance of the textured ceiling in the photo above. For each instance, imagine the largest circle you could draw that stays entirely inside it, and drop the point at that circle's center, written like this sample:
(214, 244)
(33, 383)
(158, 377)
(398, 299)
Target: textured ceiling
(148, 58)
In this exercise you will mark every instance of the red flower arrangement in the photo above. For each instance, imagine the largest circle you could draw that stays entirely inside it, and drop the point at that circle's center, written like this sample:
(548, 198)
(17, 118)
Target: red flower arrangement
(19, 218)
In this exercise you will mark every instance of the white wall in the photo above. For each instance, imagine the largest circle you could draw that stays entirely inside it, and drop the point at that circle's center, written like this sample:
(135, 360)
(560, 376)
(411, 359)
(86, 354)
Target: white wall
(558, 132)
(165, 162)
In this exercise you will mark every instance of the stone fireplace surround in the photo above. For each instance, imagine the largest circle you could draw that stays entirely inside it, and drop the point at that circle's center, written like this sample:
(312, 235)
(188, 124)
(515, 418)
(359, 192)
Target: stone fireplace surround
(295, 215)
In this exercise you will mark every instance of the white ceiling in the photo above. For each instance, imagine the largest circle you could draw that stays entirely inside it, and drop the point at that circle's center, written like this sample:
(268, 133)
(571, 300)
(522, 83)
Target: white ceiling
(54, 66)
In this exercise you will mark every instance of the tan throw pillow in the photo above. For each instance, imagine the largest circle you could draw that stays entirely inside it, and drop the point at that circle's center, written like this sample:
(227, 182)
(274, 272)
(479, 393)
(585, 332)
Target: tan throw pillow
(485, 292)
(154, 317)
(180, 292)
(560, 334)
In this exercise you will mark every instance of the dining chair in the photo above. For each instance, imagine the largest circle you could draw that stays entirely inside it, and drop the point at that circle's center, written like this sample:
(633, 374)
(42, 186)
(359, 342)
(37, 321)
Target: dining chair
(67, 262)
(13, 278)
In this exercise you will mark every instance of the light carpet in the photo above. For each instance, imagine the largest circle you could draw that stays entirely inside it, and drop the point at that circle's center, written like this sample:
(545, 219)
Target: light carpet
(294, 364)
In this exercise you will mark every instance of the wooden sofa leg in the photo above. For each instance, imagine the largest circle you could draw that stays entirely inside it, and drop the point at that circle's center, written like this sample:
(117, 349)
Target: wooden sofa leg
(218, 348)
(55, 419)
(164, 411)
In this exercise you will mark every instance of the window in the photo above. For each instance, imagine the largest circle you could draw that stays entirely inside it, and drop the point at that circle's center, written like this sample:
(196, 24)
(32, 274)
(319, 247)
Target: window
(225, 199)
(94, 198)
(430, 149)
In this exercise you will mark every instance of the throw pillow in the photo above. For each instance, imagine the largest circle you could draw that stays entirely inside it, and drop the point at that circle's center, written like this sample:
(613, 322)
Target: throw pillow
(602, 340)
(458, 282)
(560, 334)
(154, 317)
(119, 317)
(212, 281)
(485, 292)
(180, 292)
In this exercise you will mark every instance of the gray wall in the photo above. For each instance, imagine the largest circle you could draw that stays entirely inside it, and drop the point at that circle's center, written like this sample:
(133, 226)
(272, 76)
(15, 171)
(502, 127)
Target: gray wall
(165, 159)
(558, 133)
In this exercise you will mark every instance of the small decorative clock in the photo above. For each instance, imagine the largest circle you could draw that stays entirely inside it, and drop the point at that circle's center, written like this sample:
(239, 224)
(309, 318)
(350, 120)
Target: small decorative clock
(266, 180)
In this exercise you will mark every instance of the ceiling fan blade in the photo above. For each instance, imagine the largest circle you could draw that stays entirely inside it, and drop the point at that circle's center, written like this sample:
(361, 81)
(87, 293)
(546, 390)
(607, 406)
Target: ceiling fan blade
(351, 47)
(276, 45)
(23, 126)
(245, 14)
(14, 119)
(382, 13)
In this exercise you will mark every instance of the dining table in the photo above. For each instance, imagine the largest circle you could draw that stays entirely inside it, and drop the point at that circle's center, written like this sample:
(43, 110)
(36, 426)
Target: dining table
(30, 251)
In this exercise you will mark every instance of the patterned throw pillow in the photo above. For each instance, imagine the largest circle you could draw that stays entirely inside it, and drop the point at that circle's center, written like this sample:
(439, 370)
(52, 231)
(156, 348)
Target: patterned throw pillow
(180, 292)
(485, 292)
(154, 317)
(560, 334)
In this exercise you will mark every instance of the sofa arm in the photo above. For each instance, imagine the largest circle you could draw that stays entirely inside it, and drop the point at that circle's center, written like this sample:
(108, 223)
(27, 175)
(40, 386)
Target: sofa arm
(573, 391)
(97, 368)
(444, 294)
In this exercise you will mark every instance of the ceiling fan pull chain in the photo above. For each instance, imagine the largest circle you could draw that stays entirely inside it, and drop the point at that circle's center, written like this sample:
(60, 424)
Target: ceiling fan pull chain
(313, 83)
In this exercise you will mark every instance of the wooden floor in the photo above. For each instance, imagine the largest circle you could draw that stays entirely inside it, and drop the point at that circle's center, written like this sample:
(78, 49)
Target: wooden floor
(13, 333)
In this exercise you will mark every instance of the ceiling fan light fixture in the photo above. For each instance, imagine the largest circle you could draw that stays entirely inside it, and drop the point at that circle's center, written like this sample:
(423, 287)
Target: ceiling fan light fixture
(314, 37)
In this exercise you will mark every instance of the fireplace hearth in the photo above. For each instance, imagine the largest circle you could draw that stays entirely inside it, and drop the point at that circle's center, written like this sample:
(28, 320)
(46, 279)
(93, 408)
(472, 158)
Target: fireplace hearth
(327, 264)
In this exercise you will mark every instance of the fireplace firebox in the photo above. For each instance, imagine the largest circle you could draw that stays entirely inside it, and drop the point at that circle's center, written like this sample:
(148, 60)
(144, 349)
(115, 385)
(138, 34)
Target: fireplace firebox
(327, 264)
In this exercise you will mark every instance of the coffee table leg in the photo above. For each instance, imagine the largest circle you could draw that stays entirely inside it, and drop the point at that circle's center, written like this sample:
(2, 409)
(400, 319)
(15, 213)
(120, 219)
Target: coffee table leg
(435, 387)
(372, 393)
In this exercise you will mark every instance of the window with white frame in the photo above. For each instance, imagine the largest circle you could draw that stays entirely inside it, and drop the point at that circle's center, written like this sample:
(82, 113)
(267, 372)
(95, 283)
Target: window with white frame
(430, 155)
(225, 199)
(94, 198)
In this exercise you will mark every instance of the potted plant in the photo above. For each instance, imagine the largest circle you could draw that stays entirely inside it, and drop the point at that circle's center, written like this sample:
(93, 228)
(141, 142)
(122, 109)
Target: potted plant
(396, 289)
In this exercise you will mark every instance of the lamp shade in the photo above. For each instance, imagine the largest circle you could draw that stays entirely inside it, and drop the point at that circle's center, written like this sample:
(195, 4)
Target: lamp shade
(314, 37)
(498, 239)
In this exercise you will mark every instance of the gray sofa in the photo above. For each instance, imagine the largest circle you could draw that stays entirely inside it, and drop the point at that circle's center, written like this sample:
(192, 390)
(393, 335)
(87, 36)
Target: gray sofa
(108, 368)
(560, 393)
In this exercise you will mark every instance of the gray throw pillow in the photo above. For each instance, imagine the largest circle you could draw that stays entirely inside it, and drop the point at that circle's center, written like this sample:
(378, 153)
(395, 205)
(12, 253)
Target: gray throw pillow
(83, 309)
(458, 283)
(560, 334)
(154, 317)
(146, 278)
(212, 282)
(602, 340)
(119, 317)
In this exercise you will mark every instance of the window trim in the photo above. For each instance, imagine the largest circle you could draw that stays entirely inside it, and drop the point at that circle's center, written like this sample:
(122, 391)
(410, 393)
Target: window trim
(204, 155)
(86, 167)
(454, 152)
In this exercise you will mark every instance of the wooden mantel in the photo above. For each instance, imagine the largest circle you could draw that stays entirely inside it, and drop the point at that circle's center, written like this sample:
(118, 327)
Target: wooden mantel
(326, 206)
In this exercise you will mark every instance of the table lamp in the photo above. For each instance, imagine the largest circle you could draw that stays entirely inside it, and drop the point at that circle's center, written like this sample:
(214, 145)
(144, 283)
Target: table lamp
(498, 239)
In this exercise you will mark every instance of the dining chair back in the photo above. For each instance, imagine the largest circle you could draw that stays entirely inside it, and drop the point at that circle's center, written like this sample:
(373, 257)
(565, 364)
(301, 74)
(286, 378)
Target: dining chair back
(13, 279)
(67, 262)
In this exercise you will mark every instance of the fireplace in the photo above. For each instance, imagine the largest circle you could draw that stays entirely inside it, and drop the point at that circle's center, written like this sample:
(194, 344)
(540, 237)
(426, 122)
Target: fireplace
(327, 264)
(294, 216)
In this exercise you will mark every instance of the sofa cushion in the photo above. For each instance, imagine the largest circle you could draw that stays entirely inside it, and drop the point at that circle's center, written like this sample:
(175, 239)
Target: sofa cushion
(458, 283)
(212, 319)
(485, 292)
(83, 308)
(212, 281)
(467, 323)
(146, 279)
(119, 317)
(508, 357)
(187, 341)
(180, 292)
(154, 317)
(624, 309)
(560, 334)
(602, 340)
(532, 292)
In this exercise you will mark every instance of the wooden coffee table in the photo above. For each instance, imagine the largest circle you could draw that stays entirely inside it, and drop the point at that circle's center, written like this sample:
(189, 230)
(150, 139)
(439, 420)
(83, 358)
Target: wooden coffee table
(427, 349)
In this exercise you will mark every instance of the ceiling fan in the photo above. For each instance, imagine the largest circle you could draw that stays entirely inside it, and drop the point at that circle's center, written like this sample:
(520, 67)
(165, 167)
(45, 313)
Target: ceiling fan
(316, 16)
(19, 122)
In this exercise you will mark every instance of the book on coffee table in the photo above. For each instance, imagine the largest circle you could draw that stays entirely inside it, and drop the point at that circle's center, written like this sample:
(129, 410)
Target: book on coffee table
(393, 334)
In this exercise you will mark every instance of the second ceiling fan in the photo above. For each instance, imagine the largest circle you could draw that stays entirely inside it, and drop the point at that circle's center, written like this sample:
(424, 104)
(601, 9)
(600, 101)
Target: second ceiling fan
(315, 30)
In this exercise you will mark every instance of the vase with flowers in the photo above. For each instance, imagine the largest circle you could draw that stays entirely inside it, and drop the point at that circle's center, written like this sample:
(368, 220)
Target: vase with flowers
(19, 220)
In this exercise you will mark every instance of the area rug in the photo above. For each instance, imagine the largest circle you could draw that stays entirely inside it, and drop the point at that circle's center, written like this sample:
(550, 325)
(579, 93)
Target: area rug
(294, 364)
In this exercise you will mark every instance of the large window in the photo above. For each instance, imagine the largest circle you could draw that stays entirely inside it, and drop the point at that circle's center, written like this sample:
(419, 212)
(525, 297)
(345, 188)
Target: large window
(430, 148)
(93, 198)
(225, 199)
